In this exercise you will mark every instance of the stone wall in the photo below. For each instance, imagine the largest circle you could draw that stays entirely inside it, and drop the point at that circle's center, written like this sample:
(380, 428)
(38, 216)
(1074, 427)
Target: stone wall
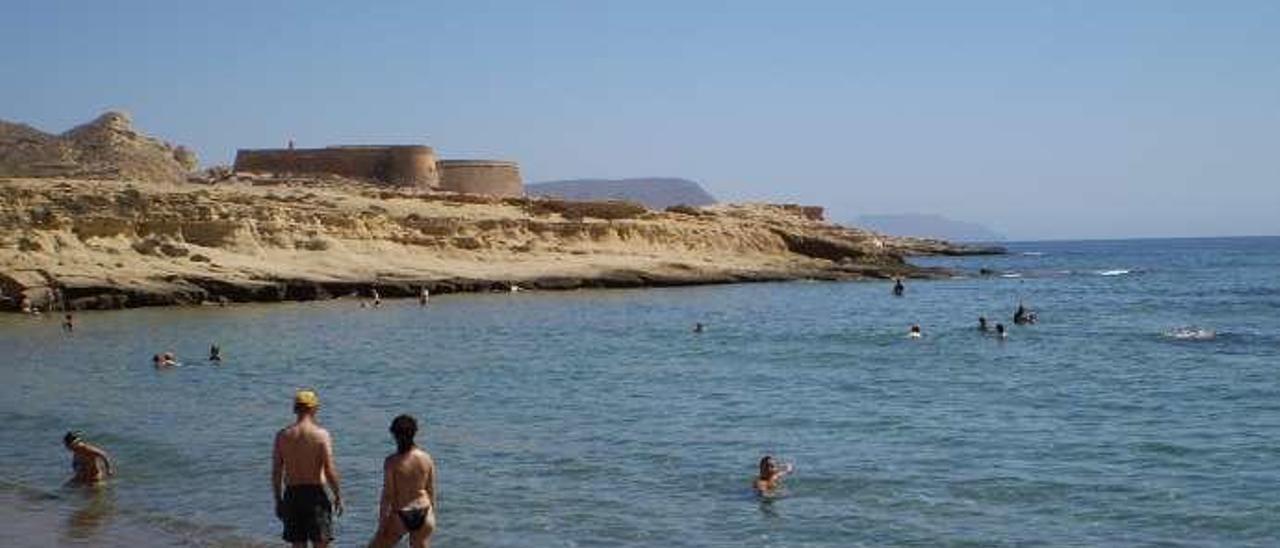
(491, 177)
(409, 165)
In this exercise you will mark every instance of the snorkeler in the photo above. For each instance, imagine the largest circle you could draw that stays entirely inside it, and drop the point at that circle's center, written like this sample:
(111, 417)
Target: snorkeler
(770, 477)
(408, 490)
(89, 463)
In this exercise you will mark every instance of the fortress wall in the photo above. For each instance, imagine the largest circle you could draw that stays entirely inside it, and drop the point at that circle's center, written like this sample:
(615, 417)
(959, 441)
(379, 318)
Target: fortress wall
(397, 165)
(490, 177)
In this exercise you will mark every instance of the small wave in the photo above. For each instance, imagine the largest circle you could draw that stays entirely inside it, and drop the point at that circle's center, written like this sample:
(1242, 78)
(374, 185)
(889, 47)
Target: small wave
(1116, 272)
(1011, 275)
(1191, 333)
(1033, 253)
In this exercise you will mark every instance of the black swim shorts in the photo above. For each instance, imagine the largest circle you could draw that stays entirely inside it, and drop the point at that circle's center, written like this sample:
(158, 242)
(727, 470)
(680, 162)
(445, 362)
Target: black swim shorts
(307, 514)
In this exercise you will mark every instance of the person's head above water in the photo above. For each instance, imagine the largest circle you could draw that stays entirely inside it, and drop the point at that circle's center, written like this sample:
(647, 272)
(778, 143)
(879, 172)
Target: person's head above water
(403, 429)
(73, 437)
(305, 401)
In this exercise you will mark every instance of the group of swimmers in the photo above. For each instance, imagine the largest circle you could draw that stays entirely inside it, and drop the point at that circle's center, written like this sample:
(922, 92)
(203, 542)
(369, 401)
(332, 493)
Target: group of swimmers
(305, 483)
(1021, 316)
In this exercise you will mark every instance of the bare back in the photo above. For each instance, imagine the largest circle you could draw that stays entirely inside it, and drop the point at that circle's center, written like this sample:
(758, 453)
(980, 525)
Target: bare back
(411, 479)
(304, 448)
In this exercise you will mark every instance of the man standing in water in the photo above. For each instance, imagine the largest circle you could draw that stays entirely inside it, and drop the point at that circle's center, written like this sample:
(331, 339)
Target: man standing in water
(408, 491)
(90, 463)
(301, 465)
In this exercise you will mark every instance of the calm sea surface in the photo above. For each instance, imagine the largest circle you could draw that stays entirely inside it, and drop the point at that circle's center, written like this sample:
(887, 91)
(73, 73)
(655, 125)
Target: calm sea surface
(596, 418)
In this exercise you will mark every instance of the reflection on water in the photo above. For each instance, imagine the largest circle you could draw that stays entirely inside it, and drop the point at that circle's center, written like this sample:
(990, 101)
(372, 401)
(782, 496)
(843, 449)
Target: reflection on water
(94, 507)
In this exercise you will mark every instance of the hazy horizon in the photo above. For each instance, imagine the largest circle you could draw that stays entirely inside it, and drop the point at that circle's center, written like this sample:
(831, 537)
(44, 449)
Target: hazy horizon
(1046, 121)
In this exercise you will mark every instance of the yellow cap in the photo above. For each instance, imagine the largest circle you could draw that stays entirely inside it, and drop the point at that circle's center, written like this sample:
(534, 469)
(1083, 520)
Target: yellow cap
(306, 398)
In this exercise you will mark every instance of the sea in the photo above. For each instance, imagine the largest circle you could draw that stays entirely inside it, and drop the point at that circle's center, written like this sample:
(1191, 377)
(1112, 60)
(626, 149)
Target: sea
(1142, 409)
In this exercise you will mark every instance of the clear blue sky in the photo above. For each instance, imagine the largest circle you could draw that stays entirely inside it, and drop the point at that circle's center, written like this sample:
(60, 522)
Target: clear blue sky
(1060, 119)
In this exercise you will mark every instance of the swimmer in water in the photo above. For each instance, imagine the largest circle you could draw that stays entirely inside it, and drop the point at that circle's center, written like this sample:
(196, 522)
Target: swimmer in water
(215, 353)
(423, 296)
(915, 331)
(377, 299)
(898, 288)
(770, 478)
(698, 327)
(1000, 331)
(89, 463)
(982, 324)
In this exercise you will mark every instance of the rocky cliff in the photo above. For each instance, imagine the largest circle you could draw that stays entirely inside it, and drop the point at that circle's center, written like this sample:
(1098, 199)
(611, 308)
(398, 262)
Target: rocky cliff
(106, 244)
(106, 148)
(654, 192)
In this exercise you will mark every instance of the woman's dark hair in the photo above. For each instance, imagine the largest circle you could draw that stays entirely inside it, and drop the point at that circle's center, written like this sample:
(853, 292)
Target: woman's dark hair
(766, 466)
(71, 437)
(403, 428)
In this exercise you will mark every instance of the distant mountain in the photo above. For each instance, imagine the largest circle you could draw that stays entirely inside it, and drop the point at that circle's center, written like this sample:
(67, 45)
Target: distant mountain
(929, 226)
(655, 193)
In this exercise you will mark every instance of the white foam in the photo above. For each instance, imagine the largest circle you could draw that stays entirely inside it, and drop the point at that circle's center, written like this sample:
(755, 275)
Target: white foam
(1116, 272)
(1191, 333)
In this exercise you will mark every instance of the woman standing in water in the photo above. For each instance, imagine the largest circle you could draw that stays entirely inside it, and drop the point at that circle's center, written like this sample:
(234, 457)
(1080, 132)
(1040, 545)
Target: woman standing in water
(90, 463)
(408, 491)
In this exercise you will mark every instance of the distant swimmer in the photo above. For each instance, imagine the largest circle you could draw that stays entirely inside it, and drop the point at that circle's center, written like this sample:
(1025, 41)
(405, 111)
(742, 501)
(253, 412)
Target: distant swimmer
(215, 353)
(423, 296)
(377, 299)
(1023, 316)
(89, 463)
(1000, 331)
(68, 323)
(164, 361)
(770, 478)
(915, 331)
(898, 288)
(408, 503)
(982, 324)
(698, 327)
(301, 466)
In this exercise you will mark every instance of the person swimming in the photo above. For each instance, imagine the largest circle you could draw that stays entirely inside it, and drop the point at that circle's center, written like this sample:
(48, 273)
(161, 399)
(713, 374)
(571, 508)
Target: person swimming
(423, 296)
(982, 324)
(698, 327)
(68, 323)
(770, 478)
(1000, 332)
(89, 463)
(915, 332)
(215, 353)
(898, 288)
(1023, 316)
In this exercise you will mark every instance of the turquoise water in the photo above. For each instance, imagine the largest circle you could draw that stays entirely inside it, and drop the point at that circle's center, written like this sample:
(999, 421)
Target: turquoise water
(596, 418)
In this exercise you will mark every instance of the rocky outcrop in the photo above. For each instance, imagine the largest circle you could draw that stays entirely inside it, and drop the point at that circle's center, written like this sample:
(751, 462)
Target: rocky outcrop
(107, 244)
(106, 148)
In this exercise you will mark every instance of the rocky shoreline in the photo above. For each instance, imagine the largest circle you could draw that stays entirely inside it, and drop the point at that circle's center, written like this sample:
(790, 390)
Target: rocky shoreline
(80, 244)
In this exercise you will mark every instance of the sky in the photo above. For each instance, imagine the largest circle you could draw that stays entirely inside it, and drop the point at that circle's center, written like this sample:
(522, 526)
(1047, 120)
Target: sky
(1040, 120)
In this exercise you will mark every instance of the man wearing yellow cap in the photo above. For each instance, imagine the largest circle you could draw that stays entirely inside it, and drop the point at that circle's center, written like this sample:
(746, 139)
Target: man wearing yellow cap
(301, 466)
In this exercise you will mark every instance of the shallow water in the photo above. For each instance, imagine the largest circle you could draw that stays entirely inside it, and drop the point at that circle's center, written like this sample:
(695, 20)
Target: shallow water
(597, 418)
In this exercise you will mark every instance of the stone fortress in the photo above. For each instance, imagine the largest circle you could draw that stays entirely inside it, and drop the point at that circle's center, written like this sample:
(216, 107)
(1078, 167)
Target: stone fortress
(413, 166)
